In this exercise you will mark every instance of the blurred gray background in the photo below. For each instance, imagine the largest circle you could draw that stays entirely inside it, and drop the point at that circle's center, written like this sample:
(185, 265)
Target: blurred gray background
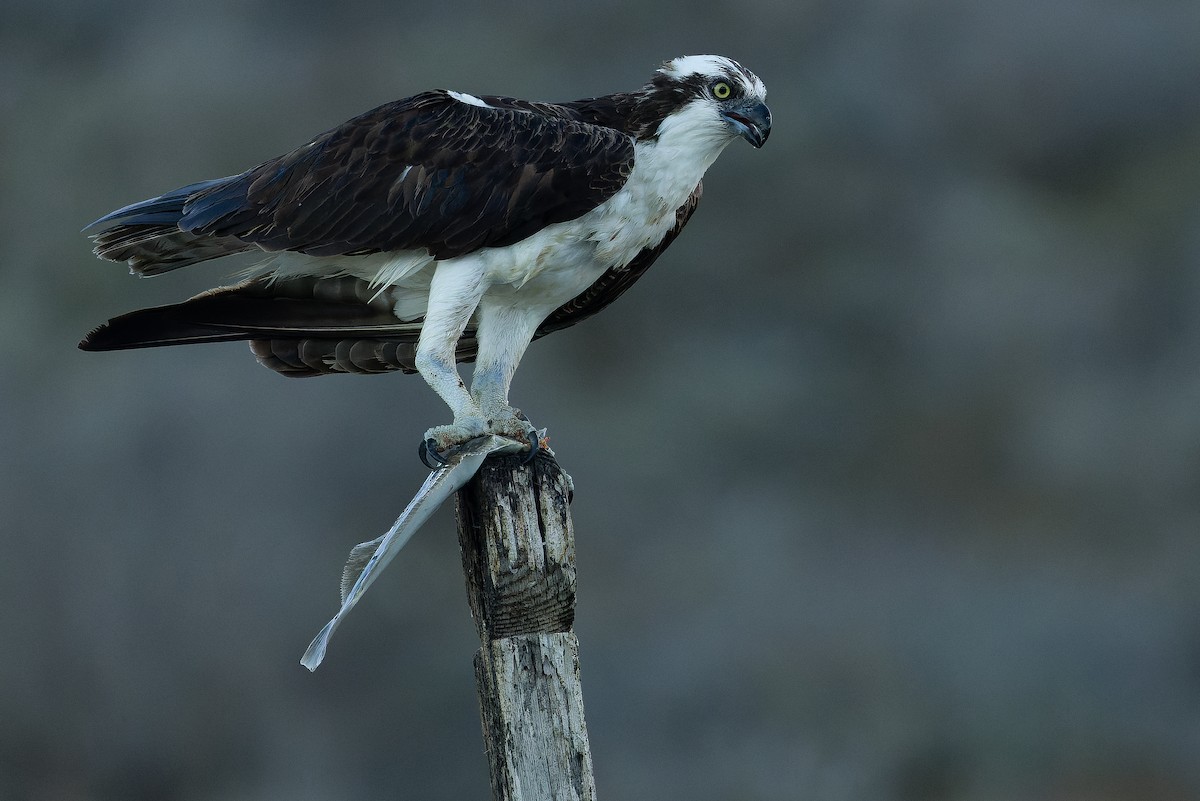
(888, 472)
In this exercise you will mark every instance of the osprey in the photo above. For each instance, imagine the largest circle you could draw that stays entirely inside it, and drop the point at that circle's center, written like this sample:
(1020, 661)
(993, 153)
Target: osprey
(438, 229)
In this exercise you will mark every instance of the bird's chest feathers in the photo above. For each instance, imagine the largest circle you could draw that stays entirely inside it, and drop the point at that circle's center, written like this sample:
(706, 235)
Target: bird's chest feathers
(569, 256)
(643, 211)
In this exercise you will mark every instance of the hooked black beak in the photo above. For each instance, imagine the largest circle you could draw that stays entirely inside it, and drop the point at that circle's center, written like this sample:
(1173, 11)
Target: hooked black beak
(752, 122)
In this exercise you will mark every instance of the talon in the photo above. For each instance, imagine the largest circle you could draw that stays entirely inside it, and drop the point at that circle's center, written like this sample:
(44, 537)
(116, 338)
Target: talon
(535, 445)
(427, 450)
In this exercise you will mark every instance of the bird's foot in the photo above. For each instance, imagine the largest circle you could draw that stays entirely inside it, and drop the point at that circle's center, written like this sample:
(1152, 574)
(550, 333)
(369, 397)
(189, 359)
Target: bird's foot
(439, 441)
(509, 422)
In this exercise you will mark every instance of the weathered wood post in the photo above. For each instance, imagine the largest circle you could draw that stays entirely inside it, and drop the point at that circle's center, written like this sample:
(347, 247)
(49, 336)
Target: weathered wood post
(518, 550)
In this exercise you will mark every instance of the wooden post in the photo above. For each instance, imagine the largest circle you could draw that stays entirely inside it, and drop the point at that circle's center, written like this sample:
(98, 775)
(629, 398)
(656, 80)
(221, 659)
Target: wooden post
(518, 550)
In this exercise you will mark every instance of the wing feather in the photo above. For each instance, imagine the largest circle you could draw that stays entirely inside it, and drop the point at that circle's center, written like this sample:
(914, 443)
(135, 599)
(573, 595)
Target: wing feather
(426, 172)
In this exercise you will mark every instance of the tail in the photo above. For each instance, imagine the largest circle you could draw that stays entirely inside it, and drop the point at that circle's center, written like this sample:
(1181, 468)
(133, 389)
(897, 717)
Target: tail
(298, 327)
(148, 237)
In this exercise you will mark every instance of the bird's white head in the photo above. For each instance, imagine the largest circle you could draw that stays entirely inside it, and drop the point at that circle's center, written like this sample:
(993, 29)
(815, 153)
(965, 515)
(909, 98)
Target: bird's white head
(713, 96)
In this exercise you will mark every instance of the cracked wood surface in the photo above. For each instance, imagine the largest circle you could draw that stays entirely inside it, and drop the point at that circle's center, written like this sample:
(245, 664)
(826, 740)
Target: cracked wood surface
(518, 552)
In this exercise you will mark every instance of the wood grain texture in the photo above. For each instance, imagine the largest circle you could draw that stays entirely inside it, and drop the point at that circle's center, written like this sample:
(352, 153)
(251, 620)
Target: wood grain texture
(531, 703)
(519, 559)
(518, 548)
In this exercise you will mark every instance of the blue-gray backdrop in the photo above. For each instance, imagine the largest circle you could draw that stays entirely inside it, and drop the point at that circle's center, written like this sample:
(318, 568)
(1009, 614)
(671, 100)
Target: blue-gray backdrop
(888, 472)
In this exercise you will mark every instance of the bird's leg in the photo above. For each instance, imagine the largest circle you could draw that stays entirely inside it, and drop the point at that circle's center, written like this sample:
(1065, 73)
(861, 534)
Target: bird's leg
(504, 333)
(454, 293)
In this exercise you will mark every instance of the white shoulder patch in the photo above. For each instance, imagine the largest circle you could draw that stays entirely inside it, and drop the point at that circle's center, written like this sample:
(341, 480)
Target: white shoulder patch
(463, 97)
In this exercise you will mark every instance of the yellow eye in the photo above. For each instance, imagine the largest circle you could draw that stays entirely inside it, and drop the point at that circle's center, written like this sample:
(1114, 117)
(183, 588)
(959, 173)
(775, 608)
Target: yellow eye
(721, 90)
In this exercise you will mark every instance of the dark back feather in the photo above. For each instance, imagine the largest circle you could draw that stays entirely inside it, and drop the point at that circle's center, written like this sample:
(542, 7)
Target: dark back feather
(425, 172)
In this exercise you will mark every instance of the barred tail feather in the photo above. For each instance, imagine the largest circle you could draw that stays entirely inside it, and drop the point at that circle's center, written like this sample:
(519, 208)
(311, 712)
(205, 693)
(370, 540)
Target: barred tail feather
(302, 358)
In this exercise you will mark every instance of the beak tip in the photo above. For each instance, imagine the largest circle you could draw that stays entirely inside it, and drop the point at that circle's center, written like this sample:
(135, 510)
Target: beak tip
(752, 124)
(756, 136)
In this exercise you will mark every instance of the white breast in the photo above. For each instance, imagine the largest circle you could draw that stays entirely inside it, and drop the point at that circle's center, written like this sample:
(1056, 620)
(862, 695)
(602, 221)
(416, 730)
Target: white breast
(665, 173)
